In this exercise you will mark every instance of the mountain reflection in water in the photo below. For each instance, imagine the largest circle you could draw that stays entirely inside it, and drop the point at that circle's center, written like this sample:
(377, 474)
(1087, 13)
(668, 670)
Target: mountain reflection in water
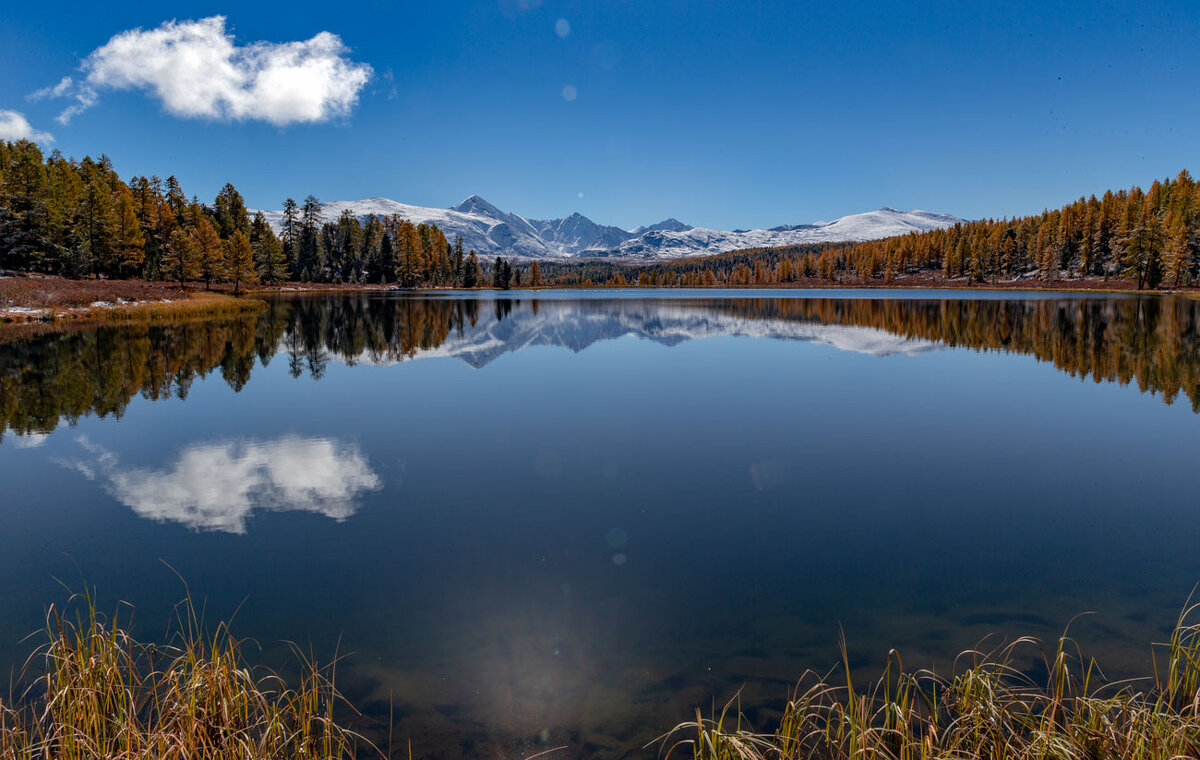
(538, 547)
(60, 377)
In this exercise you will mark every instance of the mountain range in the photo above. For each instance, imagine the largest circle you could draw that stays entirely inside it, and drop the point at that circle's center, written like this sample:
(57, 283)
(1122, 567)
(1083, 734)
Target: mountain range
(579, 324)
(492, 232)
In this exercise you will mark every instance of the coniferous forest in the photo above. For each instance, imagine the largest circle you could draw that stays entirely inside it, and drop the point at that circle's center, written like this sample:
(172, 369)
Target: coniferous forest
(1143, 238)
(80, 219)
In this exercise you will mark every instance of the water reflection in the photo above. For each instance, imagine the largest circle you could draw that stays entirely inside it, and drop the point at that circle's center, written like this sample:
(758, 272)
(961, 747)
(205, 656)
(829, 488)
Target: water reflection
(217, 486)
(589, 546)
(44, 380)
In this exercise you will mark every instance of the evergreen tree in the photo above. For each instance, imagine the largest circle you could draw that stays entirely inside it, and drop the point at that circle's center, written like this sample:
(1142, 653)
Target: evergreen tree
(64, 194)
(129, 241)
(209, 252)
(180, 261)
(472, 271)
(347, 254)
(310, 253)
(24, 221)
(535, 275)
(176, 200)
(457, 258)
(408, 254)
(290, 234)
(270, 263)
(501, 275)
(229, 211)
(371, 253)
(95, 218)
(239, 260)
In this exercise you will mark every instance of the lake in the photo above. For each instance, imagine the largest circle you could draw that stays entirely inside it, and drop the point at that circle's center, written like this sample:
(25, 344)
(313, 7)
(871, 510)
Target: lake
(569, 519)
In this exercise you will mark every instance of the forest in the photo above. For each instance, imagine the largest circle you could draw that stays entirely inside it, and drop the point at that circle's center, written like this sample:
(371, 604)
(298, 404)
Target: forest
(80, 219)
(1146, 238)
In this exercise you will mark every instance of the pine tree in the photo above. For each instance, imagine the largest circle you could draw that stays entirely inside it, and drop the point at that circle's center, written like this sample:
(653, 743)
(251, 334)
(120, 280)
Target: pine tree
(176, 200)
(472, 271)
(95, 218)
(310, 254)
(270, 263)
(179, 258)
(24, 223)
(1179, 255)
(535, 275)
(345, 260)
(501, 275)
(129, 241)
(371, 254)
(210, 253)
(229, 211)
(290, 234)
(239, 260)
(457, 258)
(64, 192)
(408, 254)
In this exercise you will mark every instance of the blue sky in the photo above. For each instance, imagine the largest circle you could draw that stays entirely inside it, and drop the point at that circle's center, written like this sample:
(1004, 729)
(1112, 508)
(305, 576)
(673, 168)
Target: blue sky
(721, 114)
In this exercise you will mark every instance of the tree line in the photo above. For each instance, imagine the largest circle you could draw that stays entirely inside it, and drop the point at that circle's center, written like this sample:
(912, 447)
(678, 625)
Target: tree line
(1150, 238)
(80, 219)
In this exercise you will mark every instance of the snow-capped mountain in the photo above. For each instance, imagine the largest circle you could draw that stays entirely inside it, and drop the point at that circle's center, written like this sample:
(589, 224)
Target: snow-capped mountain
(696, 241)
(492, 232)
(577, 325)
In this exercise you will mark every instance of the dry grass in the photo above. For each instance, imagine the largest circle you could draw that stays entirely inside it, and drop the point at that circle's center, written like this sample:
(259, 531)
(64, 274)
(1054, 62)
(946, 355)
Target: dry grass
(986, 708)
(36, 304)
(43, 291)
(96, 692)
(99, 693)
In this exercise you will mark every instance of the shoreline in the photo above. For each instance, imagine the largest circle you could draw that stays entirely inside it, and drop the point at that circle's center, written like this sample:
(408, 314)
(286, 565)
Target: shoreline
(1002, 698)
(48, 300)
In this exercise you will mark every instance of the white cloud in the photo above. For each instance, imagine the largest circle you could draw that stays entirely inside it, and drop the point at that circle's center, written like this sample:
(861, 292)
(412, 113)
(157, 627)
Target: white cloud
(31, 440)
(195, 69)
(218, 486)
(14, 126)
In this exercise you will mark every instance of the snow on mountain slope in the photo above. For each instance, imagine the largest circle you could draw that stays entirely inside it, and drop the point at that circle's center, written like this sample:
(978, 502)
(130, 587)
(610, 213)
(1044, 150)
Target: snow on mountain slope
(698, 241)
(483, 227)
(577, 325)
(492, 232)
(672, 224)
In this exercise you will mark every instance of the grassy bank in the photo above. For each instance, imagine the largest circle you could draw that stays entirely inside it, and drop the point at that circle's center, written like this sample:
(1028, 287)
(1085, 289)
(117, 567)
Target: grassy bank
(1020, 701)
(43, 299)
(92, 691)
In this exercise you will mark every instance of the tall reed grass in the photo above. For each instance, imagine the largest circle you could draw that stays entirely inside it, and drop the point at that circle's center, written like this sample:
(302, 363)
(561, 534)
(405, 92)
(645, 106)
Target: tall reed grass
(988, 707)
(93, 691)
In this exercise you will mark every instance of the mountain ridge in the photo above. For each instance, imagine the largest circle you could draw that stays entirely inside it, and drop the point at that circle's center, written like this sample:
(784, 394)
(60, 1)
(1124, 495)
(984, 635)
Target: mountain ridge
(491, 231)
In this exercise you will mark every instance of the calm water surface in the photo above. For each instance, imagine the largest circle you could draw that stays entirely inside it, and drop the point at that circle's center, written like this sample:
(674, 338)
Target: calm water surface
(571, 520)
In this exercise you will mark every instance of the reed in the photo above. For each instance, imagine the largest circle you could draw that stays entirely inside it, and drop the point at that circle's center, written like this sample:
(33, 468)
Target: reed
(93, 691)
(987, 707)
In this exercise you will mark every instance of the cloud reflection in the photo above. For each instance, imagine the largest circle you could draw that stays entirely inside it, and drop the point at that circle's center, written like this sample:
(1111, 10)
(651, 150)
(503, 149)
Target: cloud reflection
(217, 486)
